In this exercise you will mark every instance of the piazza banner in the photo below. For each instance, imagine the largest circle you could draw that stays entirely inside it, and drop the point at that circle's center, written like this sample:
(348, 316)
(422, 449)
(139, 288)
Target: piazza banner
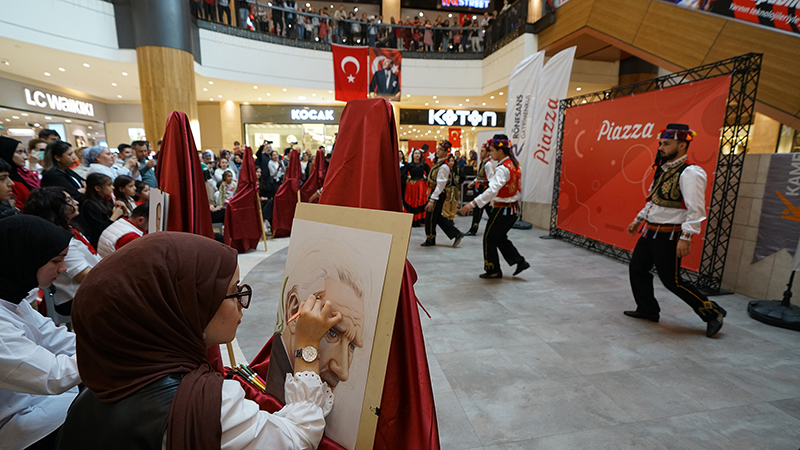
(779, 14)
(608, 152)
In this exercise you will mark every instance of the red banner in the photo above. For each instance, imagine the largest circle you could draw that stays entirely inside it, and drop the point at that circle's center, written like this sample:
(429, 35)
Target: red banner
(454, 136)
(385, 73)
(608, 152)
(350, 67)
(780, 14)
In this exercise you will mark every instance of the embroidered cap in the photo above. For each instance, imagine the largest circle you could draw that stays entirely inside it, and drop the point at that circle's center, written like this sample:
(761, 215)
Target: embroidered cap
(445, 144)
(677, 131)
(499, 141)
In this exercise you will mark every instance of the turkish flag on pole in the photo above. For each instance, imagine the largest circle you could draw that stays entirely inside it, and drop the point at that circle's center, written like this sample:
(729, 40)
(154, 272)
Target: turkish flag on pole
(454, 136)
(350, 72)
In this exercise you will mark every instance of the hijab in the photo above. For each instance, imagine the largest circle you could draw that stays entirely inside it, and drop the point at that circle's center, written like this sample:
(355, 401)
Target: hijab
(19, 174)
(26, 244)
(90, 154)
(138, 323)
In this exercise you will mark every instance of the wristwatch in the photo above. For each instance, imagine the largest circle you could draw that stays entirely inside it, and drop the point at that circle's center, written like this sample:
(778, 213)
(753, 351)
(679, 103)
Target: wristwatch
(309, 353)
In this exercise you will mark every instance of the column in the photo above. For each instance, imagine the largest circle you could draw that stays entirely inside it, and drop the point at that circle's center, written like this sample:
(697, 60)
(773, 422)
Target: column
(390, 8)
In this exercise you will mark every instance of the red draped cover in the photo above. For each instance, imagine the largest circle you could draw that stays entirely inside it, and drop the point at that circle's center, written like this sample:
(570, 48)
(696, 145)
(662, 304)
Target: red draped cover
(316, 178)
(286, 199)
(179, 174)
(243, 225)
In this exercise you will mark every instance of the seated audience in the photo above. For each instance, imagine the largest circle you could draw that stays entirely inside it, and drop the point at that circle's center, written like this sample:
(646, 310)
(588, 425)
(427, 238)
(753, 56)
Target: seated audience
(142, 192)
(55, 205)
(58, 158)
(125, 191)
(36, 148)
(38, 368)
(14, 153)
(98, 211)
(186, 289)
(222, 167)
(124, 231)
(6, 186)
(101, 160)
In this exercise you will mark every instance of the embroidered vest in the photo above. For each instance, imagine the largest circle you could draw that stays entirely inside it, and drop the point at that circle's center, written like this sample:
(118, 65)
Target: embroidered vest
(666, 190)
(511, 188)
(434, 173)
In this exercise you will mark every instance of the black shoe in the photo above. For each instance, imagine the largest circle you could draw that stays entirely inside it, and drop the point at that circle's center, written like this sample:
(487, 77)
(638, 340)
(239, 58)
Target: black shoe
(638, 315)
(458, 239)
(471, 233)
(521, 266)
(491, 275)
(713, 327)
(428, 244)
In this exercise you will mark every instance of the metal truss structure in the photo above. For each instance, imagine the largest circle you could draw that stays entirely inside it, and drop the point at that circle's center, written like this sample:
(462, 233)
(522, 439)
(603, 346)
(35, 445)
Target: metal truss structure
(739, 111)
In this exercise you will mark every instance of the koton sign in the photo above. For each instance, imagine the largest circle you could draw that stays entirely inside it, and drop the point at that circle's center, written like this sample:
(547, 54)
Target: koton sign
(462, 116)
(58, 103)
(312, 114)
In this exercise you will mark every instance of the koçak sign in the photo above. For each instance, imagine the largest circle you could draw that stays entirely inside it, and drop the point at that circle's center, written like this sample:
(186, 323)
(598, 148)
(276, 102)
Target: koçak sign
(608, 152)
(312, 115)
(55, 102)
(462, 117)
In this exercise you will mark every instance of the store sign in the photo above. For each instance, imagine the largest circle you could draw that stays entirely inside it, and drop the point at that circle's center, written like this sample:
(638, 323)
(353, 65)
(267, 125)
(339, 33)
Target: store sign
(315, 115)
(477, 4)
(462, 116)
(58, 103)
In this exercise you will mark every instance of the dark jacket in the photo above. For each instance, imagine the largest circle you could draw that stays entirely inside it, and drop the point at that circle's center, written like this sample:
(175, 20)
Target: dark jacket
(56, 176)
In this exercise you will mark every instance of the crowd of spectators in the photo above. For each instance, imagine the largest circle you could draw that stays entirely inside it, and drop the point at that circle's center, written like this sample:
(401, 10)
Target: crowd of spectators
(295, 20)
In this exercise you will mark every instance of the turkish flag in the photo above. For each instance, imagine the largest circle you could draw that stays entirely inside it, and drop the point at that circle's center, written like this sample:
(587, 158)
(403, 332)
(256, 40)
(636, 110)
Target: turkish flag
(429, 156)
(350, 72)
(454, 136)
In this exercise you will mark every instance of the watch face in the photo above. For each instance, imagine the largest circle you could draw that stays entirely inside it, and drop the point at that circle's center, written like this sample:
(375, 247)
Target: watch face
(309, 353)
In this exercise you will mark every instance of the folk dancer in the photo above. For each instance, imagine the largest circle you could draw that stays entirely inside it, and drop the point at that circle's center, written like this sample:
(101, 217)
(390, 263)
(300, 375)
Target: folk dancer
(480, 184)
(438, 179)
(674, 212)
(504, 194)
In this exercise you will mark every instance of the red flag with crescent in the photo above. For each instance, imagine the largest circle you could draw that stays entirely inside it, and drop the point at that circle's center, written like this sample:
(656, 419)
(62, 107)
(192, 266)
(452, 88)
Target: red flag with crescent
(350, 72)
(454, 136)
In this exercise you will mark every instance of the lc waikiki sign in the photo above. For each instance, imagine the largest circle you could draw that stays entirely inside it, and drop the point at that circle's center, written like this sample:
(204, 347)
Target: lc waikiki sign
(58, 103)
(477, 4)
(462, 116)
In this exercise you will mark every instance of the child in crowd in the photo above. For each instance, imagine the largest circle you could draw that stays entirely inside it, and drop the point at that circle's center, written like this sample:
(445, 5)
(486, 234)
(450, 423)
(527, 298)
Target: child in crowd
(142, 192)
(98, 211)
(227, 189)
(125, 191)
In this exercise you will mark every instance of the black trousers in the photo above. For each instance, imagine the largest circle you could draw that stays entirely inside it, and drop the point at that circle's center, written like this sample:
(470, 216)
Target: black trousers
(46, 443)
(659, 249)
(496, 238)
(477, 213)
(224, 10)
(436, 218)
(210, 11)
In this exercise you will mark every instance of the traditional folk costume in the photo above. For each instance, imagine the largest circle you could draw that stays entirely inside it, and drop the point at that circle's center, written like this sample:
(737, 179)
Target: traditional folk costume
(416, 191)
(675, 209)
(438, 180)
(452, 194)
(503, 194)
(485, 173)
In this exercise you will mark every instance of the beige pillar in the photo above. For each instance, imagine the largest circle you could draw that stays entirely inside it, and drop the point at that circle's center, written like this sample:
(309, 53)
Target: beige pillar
(230, 123)
(390, 8)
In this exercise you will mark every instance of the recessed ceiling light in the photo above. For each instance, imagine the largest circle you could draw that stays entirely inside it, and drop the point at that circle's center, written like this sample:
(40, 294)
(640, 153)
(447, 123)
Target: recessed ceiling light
(24, 114)
(119, 96)
(86, 65)
(246, 103)
(61, 69)
(434, 97)
(210, 82)
(330, 92)
(255, 87)
(467, 99)
(36, 125)
(211, 99)
(460, 104)
(355, 9)
(47, 74)
(5, 63)
(220, 96)
(259, 98)
(90, 127)
(426, 104)
(8, 120)
(15, 117)
(205, 89)
(284, 89)
(483, 104)
(577, 89)
(492, 97)
(408, 95)
(114, 84)
(268, 94)
(437, 101)
(48, 118)
(67, 120)
(501, 93)
(124, 74)
(301, 98)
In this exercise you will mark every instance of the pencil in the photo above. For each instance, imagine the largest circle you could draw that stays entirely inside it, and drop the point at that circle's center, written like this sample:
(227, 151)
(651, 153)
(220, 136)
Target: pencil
(295, 316)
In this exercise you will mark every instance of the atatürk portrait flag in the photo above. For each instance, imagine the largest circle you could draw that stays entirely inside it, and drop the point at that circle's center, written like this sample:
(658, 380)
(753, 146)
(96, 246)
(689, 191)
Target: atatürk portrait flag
(350, 72)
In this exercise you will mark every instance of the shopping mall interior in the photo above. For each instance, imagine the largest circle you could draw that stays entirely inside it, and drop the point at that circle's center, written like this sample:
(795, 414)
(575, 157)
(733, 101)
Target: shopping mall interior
(543, 360)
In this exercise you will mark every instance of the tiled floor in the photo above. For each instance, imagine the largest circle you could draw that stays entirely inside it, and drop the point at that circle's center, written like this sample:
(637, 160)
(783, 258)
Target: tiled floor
(548, 361)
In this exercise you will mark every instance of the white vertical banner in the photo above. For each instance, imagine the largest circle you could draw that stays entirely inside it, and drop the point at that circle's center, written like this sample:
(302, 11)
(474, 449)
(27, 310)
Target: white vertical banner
(521, 99)
(537, 169)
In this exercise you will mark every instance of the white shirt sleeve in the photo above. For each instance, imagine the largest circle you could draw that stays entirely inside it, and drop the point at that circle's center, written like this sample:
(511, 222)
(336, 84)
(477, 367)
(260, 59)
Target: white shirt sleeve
(298, 425)
(441, 181)
(693, 188)
(76, 262)
(488, 169)
(498, 180)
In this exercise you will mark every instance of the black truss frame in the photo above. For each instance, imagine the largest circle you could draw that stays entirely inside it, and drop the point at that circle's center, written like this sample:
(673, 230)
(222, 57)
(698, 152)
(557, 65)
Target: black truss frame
(739, 112)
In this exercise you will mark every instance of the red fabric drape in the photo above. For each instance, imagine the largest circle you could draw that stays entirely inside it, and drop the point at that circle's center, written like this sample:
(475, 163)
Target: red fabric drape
(316, 178)
(243, 225)
(286, 199)
(178, 173)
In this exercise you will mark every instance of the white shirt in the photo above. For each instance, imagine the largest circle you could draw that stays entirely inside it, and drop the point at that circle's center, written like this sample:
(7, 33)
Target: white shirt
(499, 178)
(78, 259)
(441, 181)
(38, 375)
(693, 188)
(276, 170)
(488, 169)
(108, 171)
(298, 425)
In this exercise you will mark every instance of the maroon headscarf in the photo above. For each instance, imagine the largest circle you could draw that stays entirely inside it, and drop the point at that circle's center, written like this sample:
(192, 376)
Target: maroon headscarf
(140, 315)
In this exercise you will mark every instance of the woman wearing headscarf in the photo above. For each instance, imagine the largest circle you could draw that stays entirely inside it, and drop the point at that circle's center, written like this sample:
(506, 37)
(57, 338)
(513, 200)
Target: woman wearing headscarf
(142, 355)
(101, 160)
(14, 153)
(38, 368)
(504, 195)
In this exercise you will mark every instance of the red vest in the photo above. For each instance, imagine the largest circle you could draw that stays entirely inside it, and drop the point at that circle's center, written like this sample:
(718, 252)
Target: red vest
(512, 187)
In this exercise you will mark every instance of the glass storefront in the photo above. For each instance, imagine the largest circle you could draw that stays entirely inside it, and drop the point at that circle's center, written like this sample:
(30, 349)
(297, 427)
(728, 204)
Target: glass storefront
(466, 129)
(301, 127)
(25, 125)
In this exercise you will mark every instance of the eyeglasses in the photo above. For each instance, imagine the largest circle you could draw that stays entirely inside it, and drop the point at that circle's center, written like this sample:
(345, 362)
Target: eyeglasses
(242, 295)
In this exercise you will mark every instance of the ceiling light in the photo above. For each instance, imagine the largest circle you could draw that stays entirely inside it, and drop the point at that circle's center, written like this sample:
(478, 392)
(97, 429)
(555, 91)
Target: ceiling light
(492, 97)
(205, 89)
(119, 96)
(460, 104)
(421, 15)
(268, 94)
(86, 65)
(67, 120)
(210, 82)
(450, 15)
(48, 118)
(8, 120)
(246, 103)
(473, 128)
(259, 98)
(90, 127)
(47, 74)
(220, 96)
(124, 74)
(301, 98)
(255, 87)
(313, 95)
(434, 97)
(501, 93)
(211, 99)
(24, 114)
(114, 84)
(355, 9)
(15, 117)
(426, 104)
(61, 69)
(483, 104)
(308, 4)
(408, 95)
(36, 125)
(474, 17)
(437, 101)
(330, 92)
(467, 99)
(284, 89)
(578, 89)
(5, 63)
